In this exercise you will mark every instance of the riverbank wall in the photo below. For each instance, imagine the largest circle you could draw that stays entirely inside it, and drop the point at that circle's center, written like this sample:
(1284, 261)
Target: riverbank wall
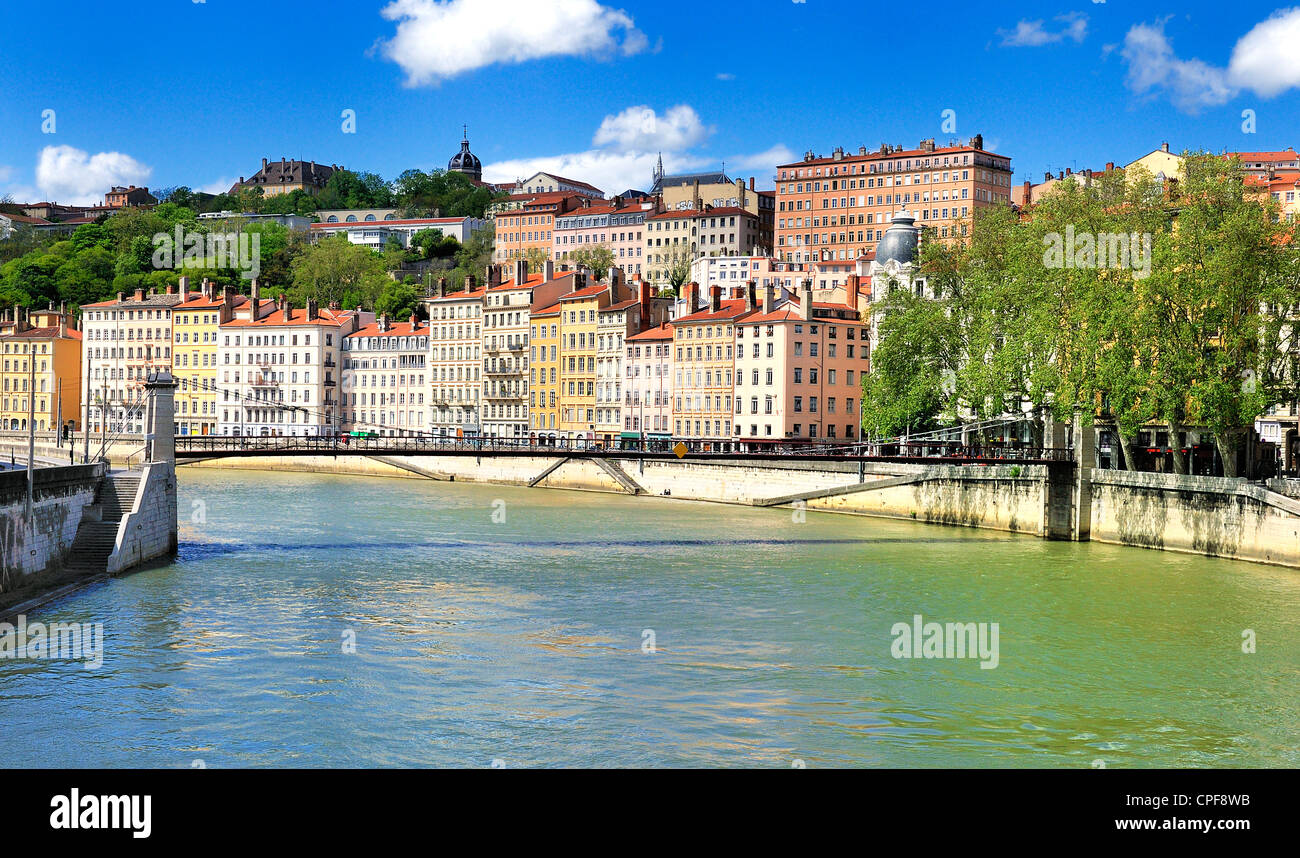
(1013, 499)
(1198, 515)
(1202, 515)
(36, 549)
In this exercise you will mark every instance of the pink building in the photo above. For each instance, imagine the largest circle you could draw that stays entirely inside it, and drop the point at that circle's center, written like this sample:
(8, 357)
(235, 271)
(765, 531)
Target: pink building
(619, 226)
(647, 405)
(799, 368)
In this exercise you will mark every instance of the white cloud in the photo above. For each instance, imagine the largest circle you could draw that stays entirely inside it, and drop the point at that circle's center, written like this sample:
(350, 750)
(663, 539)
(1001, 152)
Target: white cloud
(641, 129)
(68, 175)
(1033, 34)
(439, 40)
(726, 76)
(6, 173)
(1265, 61)
(220, 186)
(763, 162)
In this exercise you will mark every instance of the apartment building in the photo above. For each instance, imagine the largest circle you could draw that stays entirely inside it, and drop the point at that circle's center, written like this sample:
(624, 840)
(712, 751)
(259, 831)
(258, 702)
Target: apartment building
(704, 344)
(675, 239)
(385, 369)
(531, 226)
(1264, 165)
(716, 189)
(507, 308)
(731, 272)
(618, 226)
(837, 208)
(543, 373)
(633, 308)
(42, 363)
(455, 359)
(647, 404)
(196, 326)
(579, 327)
(799, 368)
(280, 372)
(124, 341)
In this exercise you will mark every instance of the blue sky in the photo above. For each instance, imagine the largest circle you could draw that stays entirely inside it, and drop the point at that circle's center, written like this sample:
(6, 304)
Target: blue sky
(196, 93)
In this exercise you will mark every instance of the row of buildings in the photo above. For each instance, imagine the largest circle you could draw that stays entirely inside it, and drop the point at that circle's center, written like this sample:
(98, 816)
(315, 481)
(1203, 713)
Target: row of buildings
(553, 355)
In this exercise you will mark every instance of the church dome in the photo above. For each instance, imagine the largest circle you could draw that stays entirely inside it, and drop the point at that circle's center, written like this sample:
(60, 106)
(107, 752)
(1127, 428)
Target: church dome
(466, 162)
(899, 242)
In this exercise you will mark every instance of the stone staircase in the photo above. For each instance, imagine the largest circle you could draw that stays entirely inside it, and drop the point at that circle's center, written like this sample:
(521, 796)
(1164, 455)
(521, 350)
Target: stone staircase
(97, 537)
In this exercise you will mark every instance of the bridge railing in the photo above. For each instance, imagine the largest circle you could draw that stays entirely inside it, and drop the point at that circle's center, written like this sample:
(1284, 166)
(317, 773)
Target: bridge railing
(937, 452)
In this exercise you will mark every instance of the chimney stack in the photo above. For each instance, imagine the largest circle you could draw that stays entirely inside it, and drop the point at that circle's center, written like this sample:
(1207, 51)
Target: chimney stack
(805, 309)
(751, 181)
(470, 283)
(1164, 147)
(751, 295)
(521, 271)
(715, 299)
(185, 288)
(692, 297)
(854, 281)
(442, 287)
(415, 322)
(255, 296)
(549, 270)
(312, 310)
(644, 301)
(383, 323)
(769, 298)
(139, 294)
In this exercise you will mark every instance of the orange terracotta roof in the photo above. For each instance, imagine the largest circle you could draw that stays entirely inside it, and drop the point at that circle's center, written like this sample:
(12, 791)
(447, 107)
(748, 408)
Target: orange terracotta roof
(663, 332)
(532, 280)
(477, 292)
(395, 329)
(698, 213)
(553, 310)
(295, 317)
(585, 292)
(730, 310)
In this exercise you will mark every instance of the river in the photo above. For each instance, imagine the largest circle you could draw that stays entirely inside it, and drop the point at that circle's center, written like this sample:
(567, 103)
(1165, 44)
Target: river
(315, 621)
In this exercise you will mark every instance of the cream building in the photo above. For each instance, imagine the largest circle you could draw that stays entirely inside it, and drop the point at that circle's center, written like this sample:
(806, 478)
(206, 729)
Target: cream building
(125, 340)
(506, 321)
(455, 360)
(647, 406)
(280, 373)
(385, 368)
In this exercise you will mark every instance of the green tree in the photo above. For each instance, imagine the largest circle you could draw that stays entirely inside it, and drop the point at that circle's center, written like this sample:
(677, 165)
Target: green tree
(597, 258)
(398, 300)
(334, 269)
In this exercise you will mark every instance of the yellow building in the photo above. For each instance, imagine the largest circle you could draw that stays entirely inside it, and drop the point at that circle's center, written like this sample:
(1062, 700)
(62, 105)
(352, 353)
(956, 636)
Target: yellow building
(579, 328)
(1161, 162)
(704, 365)
(195, 326)
(55, 387)
(544, 368)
